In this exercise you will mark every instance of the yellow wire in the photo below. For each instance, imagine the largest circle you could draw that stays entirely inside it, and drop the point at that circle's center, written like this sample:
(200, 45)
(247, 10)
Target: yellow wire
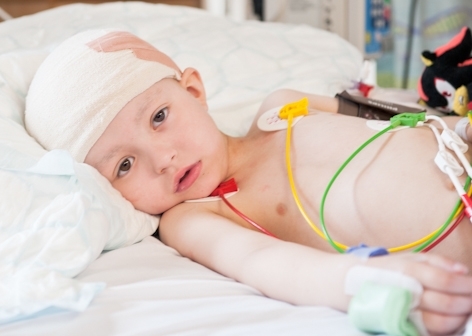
(292, 184)
(309, 221)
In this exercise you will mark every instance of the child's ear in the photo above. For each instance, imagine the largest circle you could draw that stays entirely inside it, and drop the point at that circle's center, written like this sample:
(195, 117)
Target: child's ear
(192, 82)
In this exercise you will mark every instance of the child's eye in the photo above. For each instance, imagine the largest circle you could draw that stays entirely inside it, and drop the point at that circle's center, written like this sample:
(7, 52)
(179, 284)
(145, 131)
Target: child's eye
(159, 117)
(125, 166)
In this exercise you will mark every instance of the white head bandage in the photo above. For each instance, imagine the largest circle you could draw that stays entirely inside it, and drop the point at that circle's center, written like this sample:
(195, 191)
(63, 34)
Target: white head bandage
(81, 87)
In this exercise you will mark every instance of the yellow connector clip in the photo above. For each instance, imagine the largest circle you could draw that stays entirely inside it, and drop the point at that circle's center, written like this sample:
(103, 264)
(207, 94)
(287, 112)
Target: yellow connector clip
(298, 108)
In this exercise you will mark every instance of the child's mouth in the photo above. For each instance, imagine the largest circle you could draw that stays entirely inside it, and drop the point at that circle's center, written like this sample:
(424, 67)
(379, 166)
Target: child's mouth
(187, 177)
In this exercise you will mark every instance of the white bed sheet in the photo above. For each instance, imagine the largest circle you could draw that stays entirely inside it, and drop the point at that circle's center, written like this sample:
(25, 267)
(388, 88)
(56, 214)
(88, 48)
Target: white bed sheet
(151, 290)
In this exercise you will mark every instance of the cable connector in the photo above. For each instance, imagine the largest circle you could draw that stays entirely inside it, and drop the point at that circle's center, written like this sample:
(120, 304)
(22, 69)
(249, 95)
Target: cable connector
(467, 205)
(407, 119)
(298, 108)
(444, 160)
(225, 187)
(450, 137)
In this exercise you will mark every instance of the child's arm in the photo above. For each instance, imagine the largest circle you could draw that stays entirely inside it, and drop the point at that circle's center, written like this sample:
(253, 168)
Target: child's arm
(285, 271)
(306, 276)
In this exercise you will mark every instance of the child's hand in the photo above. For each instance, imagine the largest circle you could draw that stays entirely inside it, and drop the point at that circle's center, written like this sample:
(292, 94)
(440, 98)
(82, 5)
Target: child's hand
(446, 302)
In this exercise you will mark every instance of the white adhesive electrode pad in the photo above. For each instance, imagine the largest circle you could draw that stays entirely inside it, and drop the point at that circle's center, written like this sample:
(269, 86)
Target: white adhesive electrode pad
(379, 125)
(269, 121)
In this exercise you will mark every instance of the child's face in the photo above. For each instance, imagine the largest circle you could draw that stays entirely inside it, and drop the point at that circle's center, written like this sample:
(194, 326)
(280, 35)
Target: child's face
(162, 148)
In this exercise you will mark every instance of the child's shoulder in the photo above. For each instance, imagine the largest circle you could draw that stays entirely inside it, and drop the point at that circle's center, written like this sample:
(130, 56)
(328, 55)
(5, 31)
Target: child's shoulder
(180, 210)
(187, 211)
(282, 97)
(278, 98)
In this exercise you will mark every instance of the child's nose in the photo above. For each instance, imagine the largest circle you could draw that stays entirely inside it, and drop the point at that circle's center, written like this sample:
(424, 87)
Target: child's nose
(163, 159)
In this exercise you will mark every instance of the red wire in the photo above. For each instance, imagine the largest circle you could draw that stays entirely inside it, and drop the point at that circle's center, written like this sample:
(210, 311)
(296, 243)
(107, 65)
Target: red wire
(440, 239)
(257, 226)
(243, 216)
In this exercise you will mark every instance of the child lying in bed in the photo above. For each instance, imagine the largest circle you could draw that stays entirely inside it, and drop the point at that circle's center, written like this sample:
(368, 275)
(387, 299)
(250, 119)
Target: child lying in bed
(123, 107)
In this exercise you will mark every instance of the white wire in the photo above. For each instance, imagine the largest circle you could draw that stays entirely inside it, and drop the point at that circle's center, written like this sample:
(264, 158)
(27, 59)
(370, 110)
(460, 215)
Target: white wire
(442, 147)
(438, 136)
(455, 181)
(438, 119)
(454, 146)
(462, 159)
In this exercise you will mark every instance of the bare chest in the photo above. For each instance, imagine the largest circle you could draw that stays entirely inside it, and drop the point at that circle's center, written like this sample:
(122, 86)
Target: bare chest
(374, 200)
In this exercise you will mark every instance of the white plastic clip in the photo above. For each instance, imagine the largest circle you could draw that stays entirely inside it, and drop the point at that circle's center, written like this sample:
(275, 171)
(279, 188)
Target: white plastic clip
(451, 138)
(447, 163)
(454, 142)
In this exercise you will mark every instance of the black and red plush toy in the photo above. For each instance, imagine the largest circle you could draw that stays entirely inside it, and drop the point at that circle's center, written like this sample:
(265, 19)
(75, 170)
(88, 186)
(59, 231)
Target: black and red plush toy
(446, 83)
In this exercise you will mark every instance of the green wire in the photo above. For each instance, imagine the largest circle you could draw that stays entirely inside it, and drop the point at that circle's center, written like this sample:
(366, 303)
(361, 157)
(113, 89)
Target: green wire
(323, 200)
(349, 159)
(446, 224)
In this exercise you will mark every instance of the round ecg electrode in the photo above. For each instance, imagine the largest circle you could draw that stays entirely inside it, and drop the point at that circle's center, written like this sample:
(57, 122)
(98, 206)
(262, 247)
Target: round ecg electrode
(269, 121)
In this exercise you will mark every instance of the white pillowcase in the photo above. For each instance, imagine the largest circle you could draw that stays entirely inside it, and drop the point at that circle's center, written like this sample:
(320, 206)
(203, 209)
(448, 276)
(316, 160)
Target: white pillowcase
(56, 216)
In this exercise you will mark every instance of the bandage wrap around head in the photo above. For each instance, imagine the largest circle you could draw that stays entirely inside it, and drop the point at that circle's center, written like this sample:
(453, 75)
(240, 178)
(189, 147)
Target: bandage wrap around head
(81, 87)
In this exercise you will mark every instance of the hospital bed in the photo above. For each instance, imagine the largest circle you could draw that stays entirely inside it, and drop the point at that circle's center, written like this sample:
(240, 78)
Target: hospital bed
(75, 257)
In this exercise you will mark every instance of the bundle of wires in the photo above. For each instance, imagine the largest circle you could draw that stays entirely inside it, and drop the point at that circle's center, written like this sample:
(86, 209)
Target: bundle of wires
(422, 245)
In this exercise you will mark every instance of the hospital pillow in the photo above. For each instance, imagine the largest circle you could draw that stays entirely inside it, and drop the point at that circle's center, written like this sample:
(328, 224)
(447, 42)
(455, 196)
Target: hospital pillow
(56, 216)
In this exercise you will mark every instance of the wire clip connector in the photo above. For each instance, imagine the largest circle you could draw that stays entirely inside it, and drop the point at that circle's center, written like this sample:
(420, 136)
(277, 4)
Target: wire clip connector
(467, 205)
(445, 161)
(298, 108)
(225, 187)
(407, 119)
(450, 137)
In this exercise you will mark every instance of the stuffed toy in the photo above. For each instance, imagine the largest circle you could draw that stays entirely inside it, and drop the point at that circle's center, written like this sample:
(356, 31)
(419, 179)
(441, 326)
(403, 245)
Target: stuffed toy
(446, 82)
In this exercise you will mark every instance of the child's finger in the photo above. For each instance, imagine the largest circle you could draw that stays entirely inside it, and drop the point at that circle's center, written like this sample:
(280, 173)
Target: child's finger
(439, 279)
(446, 304)
(442, 324)
(444, 263)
